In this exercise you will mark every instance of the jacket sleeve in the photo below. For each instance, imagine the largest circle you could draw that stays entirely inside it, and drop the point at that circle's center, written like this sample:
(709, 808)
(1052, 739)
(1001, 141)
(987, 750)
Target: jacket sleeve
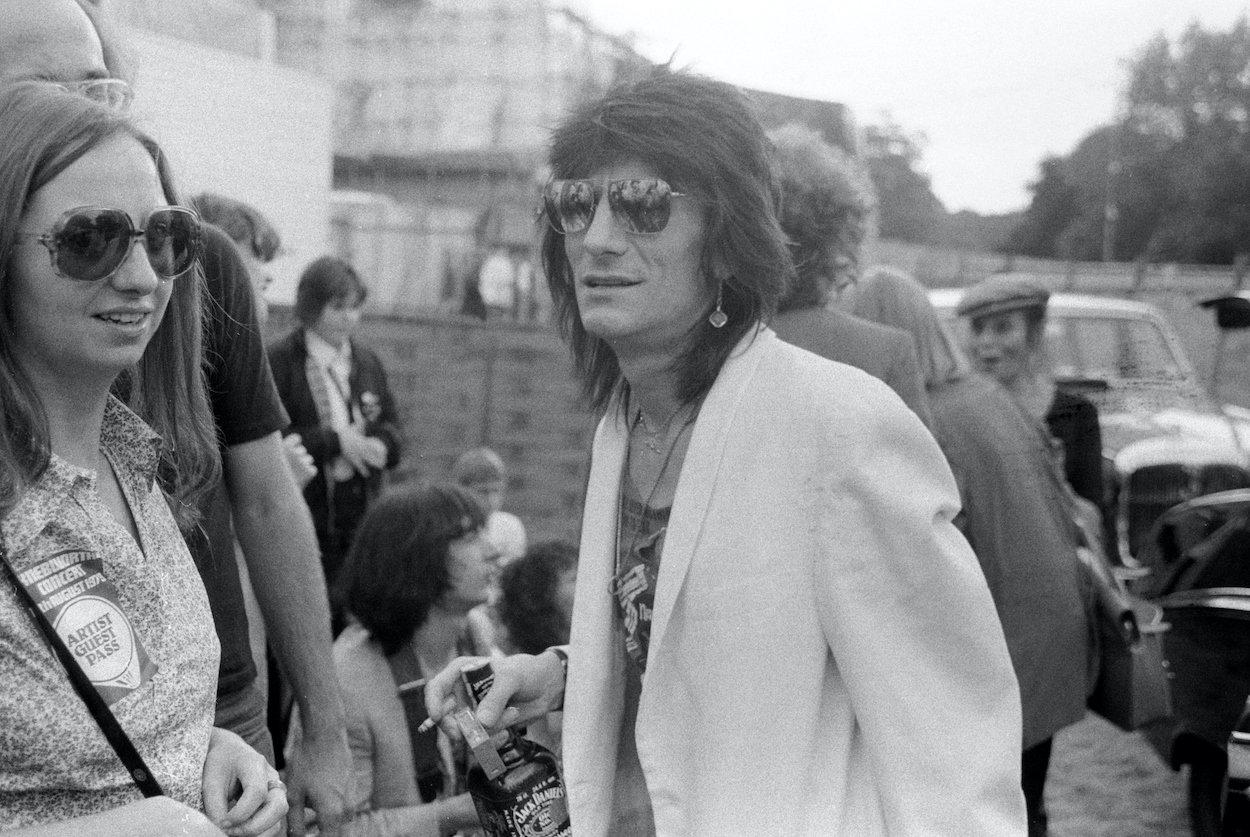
(909, 619)
(322, 443)
(905, 379)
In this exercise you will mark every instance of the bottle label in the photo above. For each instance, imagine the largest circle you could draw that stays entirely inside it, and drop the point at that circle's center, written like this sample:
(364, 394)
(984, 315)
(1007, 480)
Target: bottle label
(477, 682)
(539, 811)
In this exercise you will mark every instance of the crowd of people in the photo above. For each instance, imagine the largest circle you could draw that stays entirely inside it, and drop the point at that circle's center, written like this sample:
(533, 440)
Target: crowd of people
(827, 579)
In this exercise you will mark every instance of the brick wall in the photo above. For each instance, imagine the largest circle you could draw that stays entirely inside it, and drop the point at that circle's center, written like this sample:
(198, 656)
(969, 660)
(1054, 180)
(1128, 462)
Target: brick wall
(462, 383)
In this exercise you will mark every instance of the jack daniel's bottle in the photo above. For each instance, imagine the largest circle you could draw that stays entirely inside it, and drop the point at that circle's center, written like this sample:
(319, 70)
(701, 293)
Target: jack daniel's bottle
(516, 789)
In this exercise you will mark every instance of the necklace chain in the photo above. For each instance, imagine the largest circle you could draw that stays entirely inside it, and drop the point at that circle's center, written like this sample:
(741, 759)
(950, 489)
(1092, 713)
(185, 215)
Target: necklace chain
(652, 438)
(659, 477)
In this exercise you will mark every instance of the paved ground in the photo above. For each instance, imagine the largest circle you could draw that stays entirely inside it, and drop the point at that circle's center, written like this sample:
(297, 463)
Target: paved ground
(1104, 782)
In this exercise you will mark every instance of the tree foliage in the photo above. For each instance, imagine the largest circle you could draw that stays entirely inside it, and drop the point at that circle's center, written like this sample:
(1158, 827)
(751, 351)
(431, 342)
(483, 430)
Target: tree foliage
(1174, 170)
(908, 209)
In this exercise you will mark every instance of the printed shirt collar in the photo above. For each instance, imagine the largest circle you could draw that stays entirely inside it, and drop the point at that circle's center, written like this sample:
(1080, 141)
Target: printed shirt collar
(132, 445)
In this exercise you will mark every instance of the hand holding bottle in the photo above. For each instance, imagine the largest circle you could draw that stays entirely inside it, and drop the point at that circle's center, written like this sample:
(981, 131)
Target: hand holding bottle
(526, 688)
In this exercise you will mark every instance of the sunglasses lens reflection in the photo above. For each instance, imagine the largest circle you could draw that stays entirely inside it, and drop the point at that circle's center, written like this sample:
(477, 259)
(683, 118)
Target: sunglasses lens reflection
(643, 206)
(572, 207)
(91, 244)
(640, 206)
(170, 238)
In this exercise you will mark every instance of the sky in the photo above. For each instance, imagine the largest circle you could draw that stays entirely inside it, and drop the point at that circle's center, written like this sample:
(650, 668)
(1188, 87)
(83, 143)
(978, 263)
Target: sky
(994, 85)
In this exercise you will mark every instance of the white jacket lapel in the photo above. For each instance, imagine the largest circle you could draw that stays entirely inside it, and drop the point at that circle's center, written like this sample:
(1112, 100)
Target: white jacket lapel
(698, 478)
(593, 700)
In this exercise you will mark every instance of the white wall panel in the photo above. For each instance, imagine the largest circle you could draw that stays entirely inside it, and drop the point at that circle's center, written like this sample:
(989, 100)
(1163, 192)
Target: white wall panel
(248, 129)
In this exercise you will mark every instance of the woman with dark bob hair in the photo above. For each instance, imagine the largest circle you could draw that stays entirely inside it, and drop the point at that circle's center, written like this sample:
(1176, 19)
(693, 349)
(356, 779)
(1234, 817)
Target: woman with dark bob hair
(336, 391)
(768, 566)
(104, 622)
(420, 562)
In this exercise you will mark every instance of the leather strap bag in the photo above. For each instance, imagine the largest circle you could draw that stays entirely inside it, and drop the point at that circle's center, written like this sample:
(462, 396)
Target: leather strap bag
(117, 738)
(1133, 686)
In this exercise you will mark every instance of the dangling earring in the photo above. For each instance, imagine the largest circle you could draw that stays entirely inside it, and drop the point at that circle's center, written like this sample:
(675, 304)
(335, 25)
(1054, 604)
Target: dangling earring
(718, 318)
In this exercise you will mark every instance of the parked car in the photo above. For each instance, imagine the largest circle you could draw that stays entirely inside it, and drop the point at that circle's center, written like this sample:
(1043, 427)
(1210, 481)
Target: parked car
(1165, 440)
(1198, 555)
(1237, 809)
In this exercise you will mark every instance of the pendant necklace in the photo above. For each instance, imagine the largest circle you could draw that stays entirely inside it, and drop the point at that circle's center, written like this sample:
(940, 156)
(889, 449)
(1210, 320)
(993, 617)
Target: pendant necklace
(651, 438)
(613, 585)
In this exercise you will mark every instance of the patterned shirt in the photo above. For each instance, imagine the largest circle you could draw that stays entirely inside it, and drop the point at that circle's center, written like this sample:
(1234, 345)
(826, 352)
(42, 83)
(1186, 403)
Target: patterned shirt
(136, 618)
(640, 544)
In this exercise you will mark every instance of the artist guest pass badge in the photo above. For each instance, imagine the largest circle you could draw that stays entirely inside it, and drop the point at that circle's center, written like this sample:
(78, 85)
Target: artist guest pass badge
(71, 590)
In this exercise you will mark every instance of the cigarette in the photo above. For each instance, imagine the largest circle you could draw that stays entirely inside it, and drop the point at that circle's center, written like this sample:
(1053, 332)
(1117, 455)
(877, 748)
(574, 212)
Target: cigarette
(426, 725)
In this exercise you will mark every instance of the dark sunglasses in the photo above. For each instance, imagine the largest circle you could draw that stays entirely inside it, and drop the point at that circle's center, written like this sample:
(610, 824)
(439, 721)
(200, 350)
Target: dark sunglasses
(639, 205)
(91, 242)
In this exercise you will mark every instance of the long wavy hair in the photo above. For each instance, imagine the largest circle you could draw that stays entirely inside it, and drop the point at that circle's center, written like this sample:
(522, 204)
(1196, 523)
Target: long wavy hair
(44, 130)
(827, 203)
(704, 138)
(893, 298)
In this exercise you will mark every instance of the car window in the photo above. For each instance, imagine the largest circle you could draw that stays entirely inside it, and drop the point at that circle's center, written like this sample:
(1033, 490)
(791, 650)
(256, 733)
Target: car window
(1064, 359)
(1110, 348)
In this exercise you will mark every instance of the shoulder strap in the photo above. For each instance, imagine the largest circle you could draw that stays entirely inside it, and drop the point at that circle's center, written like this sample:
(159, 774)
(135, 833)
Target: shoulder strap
(112, 730)
(426, 761)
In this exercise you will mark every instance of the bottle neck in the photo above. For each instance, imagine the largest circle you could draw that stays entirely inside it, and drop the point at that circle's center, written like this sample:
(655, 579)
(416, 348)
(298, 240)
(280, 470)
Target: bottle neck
(512, 744)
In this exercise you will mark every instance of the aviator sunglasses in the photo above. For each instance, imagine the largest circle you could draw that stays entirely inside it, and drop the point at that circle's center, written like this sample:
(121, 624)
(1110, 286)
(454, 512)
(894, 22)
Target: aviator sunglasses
(89, 243)
(639, 205)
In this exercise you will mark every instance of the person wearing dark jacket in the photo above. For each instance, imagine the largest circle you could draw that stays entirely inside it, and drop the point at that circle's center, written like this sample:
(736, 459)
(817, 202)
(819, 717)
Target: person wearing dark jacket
(1007, 316)
(340, 403)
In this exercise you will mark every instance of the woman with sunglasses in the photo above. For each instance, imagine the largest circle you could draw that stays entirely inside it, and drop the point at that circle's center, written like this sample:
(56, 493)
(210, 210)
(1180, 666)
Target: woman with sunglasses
(99, 280)
(769, 635)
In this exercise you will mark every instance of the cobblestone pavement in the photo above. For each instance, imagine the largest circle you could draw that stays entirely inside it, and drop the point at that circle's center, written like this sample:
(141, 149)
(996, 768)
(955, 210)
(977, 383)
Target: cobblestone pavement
(1104, 782)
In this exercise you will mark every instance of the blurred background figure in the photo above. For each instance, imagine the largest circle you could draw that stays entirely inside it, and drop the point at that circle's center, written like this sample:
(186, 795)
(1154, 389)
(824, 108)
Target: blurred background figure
(336, 390)
(258, 243)
(497, 283)
(481, 471)
(257, 239)
(827, 204)
(536, 598)
(421, 562)
(1016, 517)
(1007, 315)
(533, 612)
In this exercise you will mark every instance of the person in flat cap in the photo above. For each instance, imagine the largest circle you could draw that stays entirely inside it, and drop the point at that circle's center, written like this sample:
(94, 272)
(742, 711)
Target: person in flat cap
(1007, 315)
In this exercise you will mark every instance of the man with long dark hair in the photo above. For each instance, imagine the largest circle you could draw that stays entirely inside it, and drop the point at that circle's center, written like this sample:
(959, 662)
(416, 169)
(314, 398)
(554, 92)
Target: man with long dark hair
(777, 628)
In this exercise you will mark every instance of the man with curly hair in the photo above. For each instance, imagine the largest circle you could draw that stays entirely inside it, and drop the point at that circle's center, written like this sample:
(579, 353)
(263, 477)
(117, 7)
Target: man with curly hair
(827, 204)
